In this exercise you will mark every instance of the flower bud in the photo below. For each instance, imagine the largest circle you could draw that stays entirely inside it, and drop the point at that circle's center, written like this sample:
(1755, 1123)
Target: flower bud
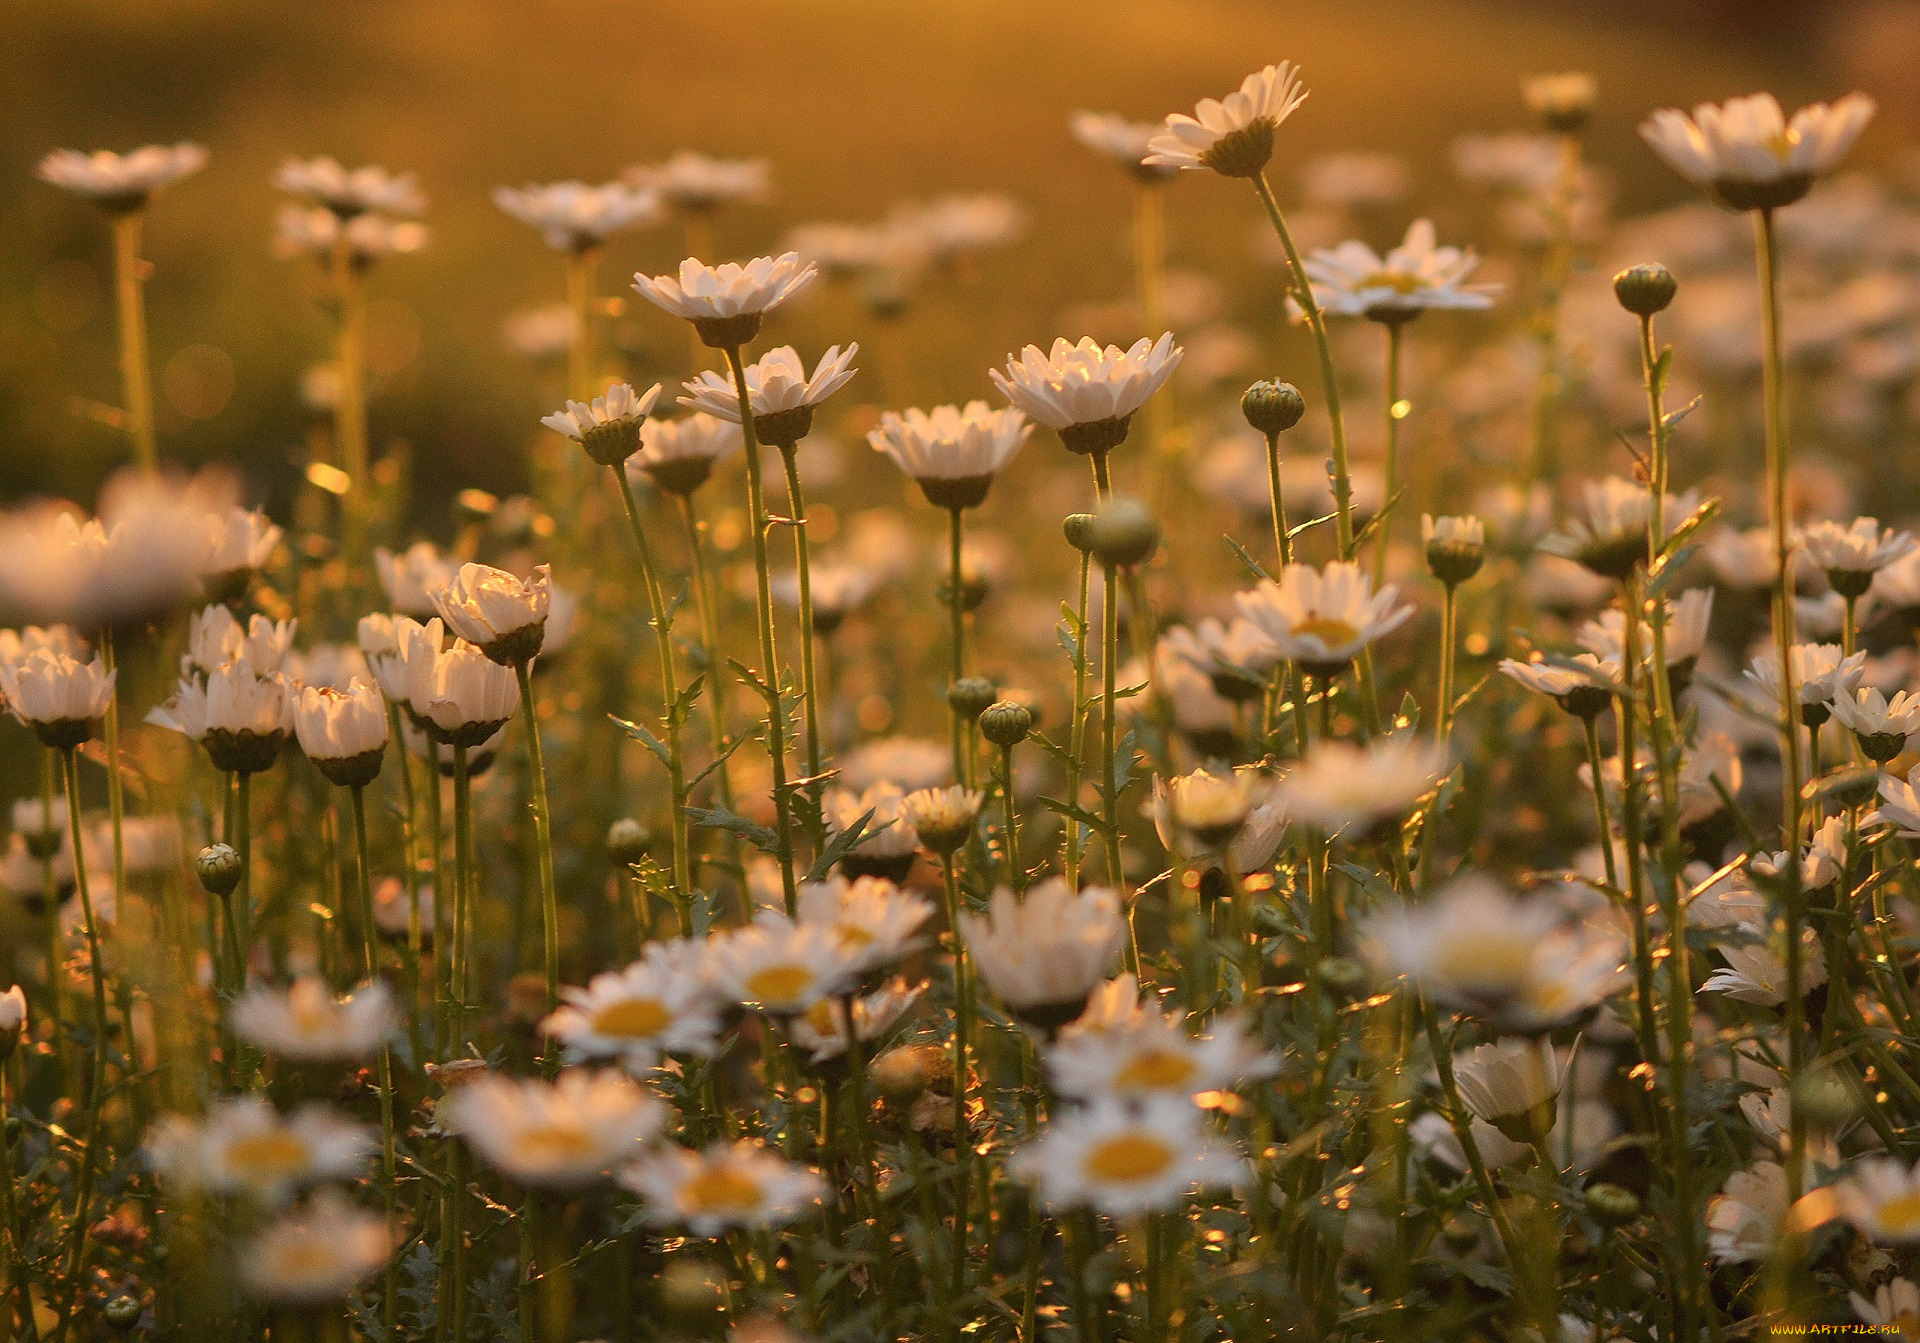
(220, 869)
(1823, 1100)
(627, 841)
(1456, 547)
(1645, 290)
(971, 696)
(1124, 532)
(13, 1020)
(1272, 408)
(123, 1312)
(1563, 102)
(1610, 1205)
(903, 1073)
(1078, 529)
(1006, 723)
(1342, 976)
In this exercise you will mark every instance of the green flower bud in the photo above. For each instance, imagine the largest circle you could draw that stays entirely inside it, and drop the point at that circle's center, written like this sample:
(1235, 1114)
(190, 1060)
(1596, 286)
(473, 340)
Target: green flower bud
(627, 841)
(1006, 723)
(1610, 1205)
(1078, 529)
(1823, 1100)
(970, 696)
(1124, 532)
(1273, 407)
(220, 869)
(1645, 290)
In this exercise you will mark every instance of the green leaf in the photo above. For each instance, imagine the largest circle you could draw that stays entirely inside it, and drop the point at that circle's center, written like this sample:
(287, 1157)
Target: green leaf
(1254, 566)
(1298, 529)
(1124, 759)
(719, 818)
(644, 737)
(1075, 813)
(725, 755)
(688, 695)
(1674, 417)
(840, 846)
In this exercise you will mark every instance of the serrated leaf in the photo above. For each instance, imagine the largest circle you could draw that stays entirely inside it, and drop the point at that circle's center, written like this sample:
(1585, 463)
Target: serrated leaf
(1299, 528)
(719, 818)
(688, 694)
(644, 737)
(1074, 813)
(1068, 641)
(1674, 417)
(1124, 759)
(840, 846)
(1254, 566)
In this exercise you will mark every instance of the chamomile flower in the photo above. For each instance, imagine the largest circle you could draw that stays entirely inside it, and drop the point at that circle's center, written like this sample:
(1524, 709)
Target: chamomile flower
(1512, 1084)
(1748, 155)
(244, 1146)
(1881, 1197)
(887, 844)
(780, 391)
(1851, 555)
(876, 922)
(1122, 1047)
(1086, 392)
(943, 818)
(501, 614)
(316, 1255)
(1124, 142)
(215, 637)
(1126, 1158)
(411, 577)
(1348, 790)
(344, 733)
(1042, 955)
(316, 232)
(1899, 806)
(307, 1024)
(679, 455)
(1822, 674)
(561, 1135)
(1234, 135)
(1881, 725)
(58, 696)
(1757, 974)
(1744, 1218)
(783, 967)
(239, 715)
(349, 193)
(692, 181)
(1609, 534)
(575, 217)
(726, 302)
(1584, 684)
(121, 182)
(1353, 280)
(822, 1028)
(952, 452)
(1893, 1309)
(658, 1005)
(908, 763)
(1323, 618)
(1742, 559)
(722, 1189)
(609, 427)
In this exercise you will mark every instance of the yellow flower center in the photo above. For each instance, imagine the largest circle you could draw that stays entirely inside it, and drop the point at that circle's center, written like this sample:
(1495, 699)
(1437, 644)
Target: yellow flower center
(1782, 144)
(554, 1144)
(269, 1156)
(1331, 631)
(1899, 1217)
(1156, 1070)
(779, 983)
(304, 1261)
(718, 1190)
(632, 1018)
(1485, 964)
(1397, 280)
(820, 1017)
(1907, 1323)
(852, 936)
(1127, 1158)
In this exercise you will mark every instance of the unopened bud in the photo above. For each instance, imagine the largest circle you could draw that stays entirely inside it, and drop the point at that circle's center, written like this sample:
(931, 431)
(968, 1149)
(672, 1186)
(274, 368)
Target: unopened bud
(1645, 290)
(1078, 529)
(627, 841)
(1124, 532)
(1273, 407)
(971, 696)
(220, 869)
(1006, 723)
(1610, 1205)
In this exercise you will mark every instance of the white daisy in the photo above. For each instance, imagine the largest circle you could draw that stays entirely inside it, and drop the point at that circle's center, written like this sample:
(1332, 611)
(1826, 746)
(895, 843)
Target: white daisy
(1881, 1197)
(244, 1146)
(822, 1028)
(679, 455)
(1126, 1158)
(694, 181)
(410, 578)
(324, 182)
(120, 182)
(1123, 1047)
(575, 217)
(1744, 1218)
(953, 453)
(319, 1254)
(307, 1024)
(1347, 789)
(563, 1135)
(659, 1005)
(1086, 392)
(877, 922)
(1125, 142)
(1756, 974)
(1881, 725)
(1748, 155)
(782, 967)
(726, 302)
(780, 392)
(1234, 135)
(725, 1187)
(1512, 1084)
(1355, 281)
(1899, 806)
(1323, 618)
(1043, 955)
(1852, 554)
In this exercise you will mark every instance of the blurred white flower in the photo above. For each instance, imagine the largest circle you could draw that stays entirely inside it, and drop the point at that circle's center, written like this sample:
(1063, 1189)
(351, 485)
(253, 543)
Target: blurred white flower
(316, 1255)
(725, 1187)
(1043, 955)
(1748, 155)
(1353, 280)
(694, 181)
(120, 182)
(1744, 1218)
(1881, 1197)
(563, 1135)
(307, 1024)
(409, 578)
(575, 217)
(244, 1146)
(1125, 1159)
(323, 181)
(1323, 618)
(679, 455)
(56, 695)
(1125, 142)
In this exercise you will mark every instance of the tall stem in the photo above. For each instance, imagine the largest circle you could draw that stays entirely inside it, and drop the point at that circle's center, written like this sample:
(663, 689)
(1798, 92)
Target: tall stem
(350, 407)
(80, 1241)
(580, 351)
(542, 832)
(962, 1039)
(389, 1300)
(704, 607)
(1016, 871)
(1109, 687)
(1329, 381)
(116, 792)
(662, 622)
(1077, 730)
(1282, 543)
(1546, 313)
(769, 647)
(242, 917)
(462, 898)
(957, 640)
(1449, 614)
(130, 299)
(1777, 461)
(1396, 411)
(809, 686)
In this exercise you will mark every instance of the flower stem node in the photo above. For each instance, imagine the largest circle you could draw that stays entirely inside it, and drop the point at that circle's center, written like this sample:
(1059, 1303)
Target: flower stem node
(971, 696)
(1272, 408)
(727, 333)
(628, 841)
(1097, 436)
(1124, 532)
(1645, 290)
(1006, 723)
(219, 869)
(1612, 1206)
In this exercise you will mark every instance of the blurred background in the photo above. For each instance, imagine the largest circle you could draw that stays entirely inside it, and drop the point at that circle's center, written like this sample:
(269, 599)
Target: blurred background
(856, 103)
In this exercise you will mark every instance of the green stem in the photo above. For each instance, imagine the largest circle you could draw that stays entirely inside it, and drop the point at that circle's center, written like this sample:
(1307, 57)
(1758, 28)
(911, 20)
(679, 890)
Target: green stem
(1282, 543)
(809, 686)
(662, 622)
(116, 792)
(131, 301)
(1109, 707)
(1016, 871)
(350, 407)
(1449, 614)
(458, 977)
(80, 1241)
(704, 606)
(1395, 412)
(389, 1300)
(769, 646)
(580, 354)
(962, 1039)
(957, 641)
(542, 832)
(1077, 731)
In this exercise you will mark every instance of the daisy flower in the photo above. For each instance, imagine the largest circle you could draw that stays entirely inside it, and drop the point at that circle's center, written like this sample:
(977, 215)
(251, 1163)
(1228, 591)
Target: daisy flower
(317, 1255)
(659, 1005)
(952, 453)
(561, 1135)
(1743, 560)
(343, 732)
(1899, 806)
(694, 181)
(1851, 555)
(120, 183)
(780, 392)
(1744, 1218)
(307, 1024)
(1881, 725)
(1755, 974)
(1748, 155)
(1234, 135)
(609, 427)
(315, 231)
(1323, 618)
(324, 182)
(822, 1028)
(679, 455)
(1124, 1159)
(1122, 141)
(1353, 280)
(1512, 1084)
(1821, 675)
(501, 614)
(1087, 393)
(1043, 955)
(1894, 1309)
(908, 763)
(877, 922)
(726, 302)
(782, 967)
(1609, 535)
(1881, 1197)
(1123, 1047)
(410, 578)
(722, 1189)
(58, 696)
(1348, 790)
(244, 1146)
(1584, 685)
(575, 217)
